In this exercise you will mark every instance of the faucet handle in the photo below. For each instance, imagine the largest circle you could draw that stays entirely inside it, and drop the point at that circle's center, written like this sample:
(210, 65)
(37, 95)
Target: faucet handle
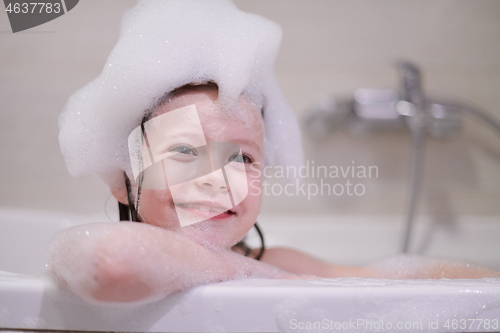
(411, 83)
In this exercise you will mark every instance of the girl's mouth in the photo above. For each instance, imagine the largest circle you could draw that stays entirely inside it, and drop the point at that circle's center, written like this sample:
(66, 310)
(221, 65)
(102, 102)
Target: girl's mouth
(205, 210)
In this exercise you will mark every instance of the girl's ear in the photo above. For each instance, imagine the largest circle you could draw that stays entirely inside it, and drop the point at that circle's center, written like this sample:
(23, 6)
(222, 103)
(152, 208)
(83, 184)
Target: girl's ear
(120, 194)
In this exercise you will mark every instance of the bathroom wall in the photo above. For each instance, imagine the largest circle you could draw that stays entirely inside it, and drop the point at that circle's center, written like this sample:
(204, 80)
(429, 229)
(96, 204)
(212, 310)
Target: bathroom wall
(330, 48)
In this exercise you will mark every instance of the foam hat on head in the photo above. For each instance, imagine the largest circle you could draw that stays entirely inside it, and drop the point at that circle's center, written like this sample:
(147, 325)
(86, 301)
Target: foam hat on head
(163, 45)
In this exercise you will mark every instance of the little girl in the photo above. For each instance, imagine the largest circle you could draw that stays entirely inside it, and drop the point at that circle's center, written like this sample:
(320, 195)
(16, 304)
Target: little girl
(188, 162)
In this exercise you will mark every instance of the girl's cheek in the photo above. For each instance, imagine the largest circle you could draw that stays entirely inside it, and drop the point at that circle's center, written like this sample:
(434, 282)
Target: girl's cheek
(254, 186)
(157, 196)
(254, 181)
(154, 202)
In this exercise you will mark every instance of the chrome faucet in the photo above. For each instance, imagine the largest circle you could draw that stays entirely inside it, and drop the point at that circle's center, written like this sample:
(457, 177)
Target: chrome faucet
(410, 107)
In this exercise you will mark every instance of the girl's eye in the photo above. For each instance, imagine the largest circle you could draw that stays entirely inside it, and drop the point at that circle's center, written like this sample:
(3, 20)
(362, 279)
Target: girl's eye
(188, 150)
(241, 158)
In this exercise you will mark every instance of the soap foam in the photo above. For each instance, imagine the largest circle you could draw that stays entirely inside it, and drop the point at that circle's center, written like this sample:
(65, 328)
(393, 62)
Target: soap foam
(155, 256)
(164, 45)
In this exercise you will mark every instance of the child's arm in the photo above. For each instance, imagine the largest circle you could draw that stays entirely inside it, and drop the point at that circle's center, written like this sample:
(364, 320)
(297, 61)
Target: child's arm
(420, 267)
(301, 263)
(398, 267)
(129, 261)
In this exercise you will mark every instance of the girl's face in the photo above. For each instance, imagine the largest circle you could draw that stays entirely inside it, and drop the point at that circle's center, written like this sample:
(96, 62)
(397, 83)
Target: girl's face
(211, 174)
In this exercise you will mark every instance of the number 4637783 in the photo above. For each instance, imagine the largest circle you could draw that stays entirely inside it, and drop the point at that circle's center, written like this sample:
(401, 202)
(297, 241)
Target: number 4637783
(33, 7)
(479, 324)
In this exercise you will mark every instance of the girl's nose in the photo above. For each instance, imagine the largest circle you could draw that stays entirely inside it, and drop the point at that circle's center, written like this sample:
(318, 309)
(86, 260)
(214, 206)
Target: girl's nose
(212, 182)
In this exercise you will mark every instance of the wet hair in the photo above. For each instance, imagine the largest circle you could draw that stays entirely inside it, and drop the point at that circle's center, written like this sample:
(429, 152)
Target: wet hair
(130, 212)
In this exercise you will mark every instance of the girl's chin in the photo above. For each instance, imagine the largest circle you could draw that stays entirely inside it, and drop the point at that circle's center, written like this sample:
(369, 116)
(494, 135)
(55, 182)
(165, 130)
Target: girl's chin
(207, 238)
(212, 234)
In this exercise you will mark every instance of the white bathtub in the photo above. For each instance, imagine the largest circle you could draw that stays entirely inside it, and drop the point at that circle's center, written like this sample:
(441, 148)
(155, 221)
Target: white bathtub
(28, 301)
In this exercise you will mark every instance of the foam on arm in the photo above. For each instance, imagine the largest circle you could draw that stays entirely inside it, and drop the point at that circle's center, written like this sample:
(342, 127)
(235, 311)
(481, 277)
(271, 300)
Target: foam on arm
(136, 262)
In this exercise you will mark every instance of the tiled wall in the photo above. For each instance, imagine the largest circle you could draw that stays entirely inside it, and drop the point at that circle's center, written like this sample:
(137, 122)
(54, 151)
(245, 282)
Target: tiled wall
(330, 48)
